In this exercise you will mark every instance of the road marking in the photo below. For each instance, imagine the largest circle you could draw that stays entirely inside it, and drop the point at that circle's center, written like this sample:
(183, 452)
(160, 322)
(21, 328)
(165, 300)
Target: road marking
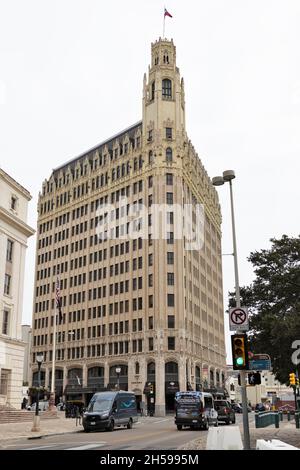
(87, 446)
(162, 420)
(38, 448)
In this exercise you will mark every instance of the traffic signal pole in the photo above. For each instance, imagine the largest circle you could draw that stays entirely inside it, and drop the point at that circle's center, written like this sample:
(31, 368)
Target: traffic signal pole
(238, 305)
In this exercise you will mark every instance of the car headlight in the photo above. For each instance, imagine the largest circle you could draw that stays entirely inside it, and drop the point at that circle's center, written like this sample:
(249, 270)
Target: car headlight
(105, 415)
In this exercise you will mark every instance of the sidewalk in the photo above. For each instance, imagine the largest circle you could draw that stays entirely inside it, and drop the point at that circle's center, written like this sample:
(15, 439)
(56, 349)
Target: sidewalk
(48, 427)
(287, 432)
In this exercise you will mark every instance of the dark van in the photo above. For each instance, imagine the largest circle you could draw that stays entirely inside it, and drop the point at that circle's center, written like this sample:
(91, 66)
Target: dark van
(195, 410)
(108, 410)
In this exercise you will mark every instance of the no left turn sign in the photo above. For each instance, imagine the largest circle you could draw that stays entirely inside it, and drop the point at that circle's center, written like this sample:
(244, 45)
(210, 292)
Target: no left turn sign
(238, 319)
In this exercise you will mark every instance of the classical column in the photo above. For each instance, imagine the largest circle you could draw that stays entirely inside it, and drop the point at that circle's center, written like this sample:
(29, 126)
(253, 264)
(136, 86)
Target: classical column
(47, 377)
(84, 375)
(160, 405)
(131, 373)
(182, 373)
(106, 374)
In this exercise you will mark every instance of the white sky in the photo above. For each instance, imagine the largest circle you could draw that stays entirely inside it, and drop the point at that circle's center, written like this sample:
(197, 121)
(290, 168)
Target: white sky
(71, 76)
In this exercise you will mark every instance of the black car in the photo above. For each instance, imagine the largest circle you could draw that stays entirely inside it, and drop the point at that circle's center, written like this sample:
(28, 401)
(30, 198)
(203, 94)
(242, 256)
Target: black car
(260, 407)
(237, 407)
(225, 411)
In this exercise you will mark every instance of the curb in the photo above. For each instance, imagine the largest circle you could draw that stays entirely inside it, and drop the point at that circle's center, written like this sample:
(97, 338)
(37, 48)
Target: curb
(54, 434)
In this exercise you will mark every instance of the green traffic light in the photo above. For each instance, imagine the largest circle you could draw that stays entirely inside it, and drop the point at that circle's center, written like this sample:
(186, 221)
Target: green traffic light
(240, 361)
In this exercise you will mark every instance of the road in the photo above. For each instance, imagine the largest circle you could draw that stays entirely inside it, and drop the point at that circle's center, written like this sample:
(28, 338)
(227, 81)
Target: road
(147, 434)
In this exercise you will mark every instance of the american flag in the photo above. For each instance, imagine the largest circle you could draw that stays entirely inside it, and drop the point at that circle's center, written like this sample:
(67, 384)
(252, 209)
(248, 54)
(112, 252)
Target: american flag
(167, 14)
(58, 301)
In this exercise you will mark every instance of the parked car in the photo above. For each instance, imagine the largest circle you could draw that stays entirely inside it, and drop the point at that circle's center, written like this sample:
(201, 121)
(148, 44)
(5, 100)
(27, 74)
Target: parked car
(260, 407)
(225, 411)
(237, 407)
(249, 408)
(195, 409)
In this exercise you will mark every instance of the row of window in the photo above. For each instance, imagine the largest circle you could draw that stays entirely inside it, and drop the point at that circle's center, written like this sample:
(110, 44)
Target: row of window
(114, 348)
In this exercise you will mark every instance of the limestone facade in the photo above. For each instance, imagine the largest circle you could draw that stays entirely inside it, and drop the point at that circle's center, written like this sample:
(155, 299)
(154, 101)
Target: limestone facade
(14, 233)
(150, 305)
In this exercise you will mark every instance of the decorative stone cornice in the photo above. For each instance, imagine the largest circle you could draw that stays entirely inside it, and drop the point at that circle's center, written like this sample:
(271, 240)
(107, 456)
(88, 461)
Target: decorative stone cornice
(15, 222)
(15, 185)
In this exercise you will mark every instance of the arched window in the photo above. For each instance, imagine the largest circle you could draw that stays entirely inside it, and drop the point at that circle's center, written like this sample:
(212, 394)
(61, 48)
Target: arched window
(212, 381)
(135, 164)
(167, 88)
(151, 370)
(218, 378)
(113, 174)
(153, 90)
(171, 371)
(150, 157)
(169, 154)
(137, 368)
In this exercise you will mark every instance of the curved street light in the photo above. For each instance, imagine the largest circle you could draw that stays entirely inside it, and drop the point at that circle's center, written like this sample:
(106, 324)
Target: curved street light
(227, 177)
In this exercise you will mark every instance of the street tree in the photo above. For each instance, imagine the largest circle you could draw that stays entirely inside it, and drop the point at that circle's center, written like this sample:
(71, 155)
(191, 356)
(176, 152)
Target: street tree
(273, 300)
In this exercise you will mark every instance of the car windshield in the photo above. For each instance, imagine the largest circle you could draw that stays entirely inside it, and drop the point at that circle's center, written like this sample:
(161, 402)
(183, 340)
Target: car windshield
(221, 403)
(100, 404)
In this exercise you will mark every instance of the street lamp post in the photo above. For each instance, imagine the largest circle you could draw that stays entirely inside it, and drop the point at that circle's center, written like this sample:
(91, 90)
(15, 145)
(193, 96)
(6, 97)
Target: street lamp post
(228, 176)
(36, 419)
(118, 371)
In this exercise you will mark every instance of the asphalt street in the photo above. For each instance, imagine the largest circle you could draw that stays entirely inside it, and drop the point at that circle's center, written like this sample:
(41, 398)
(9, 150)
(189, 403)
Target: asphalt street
(149, 434)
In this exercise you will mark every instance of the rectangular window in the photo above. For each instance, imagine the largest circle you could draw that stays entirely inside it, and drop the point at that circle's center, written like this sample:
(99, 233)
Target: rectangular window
(170, 257)
(5, 322)
(169, 179)
(170, 279)
(13, 203)
(171, 321)
(168, 132)
(170, 238)
(170, 299)
(171, 343)
(7, 284)
(169, 198)
(170, 218)
(9, 250)
(150, 323)
(151, 344)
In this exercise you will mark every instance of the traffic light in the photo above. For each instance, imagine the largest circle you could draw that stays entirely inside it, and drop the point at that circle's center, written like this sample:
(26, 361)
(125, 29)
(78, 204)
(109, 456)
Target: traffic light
(292, 378)
(151, 388)
(240, 352)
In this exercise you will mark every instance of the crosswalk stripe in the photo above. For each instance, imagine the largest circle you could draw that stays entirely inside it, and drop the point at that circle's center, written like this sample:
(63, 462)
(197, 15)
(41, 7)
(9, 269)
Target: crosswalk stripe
(87, 446)
(38, 448)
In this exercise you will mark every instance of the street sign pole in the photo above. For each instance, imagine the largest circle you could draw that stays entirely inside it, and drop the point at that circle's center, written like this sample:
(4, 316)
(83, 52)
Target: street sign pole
(238, 304)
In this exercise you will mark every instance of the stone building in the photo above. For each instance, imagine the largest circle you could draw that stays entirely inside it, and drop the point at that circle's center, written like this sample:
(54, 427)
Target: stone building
(14, 233)
(147, 303)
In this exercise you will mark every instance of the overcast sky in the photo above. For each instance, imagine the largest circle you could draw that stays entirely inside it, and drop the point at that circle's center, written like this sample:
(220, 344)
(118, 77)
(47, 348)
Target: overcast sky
(71, 76)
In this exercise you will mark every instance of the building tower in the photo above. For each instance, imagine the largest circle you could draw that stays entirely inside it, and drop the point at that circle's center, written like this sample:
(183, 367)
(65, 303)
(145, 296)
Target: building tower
(150, 305)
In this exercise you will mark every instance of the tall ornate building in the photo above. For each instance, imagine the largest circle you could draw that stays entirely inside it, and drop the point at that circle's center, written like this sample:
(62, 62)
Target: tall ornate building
(14, 233)
(144, 313)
